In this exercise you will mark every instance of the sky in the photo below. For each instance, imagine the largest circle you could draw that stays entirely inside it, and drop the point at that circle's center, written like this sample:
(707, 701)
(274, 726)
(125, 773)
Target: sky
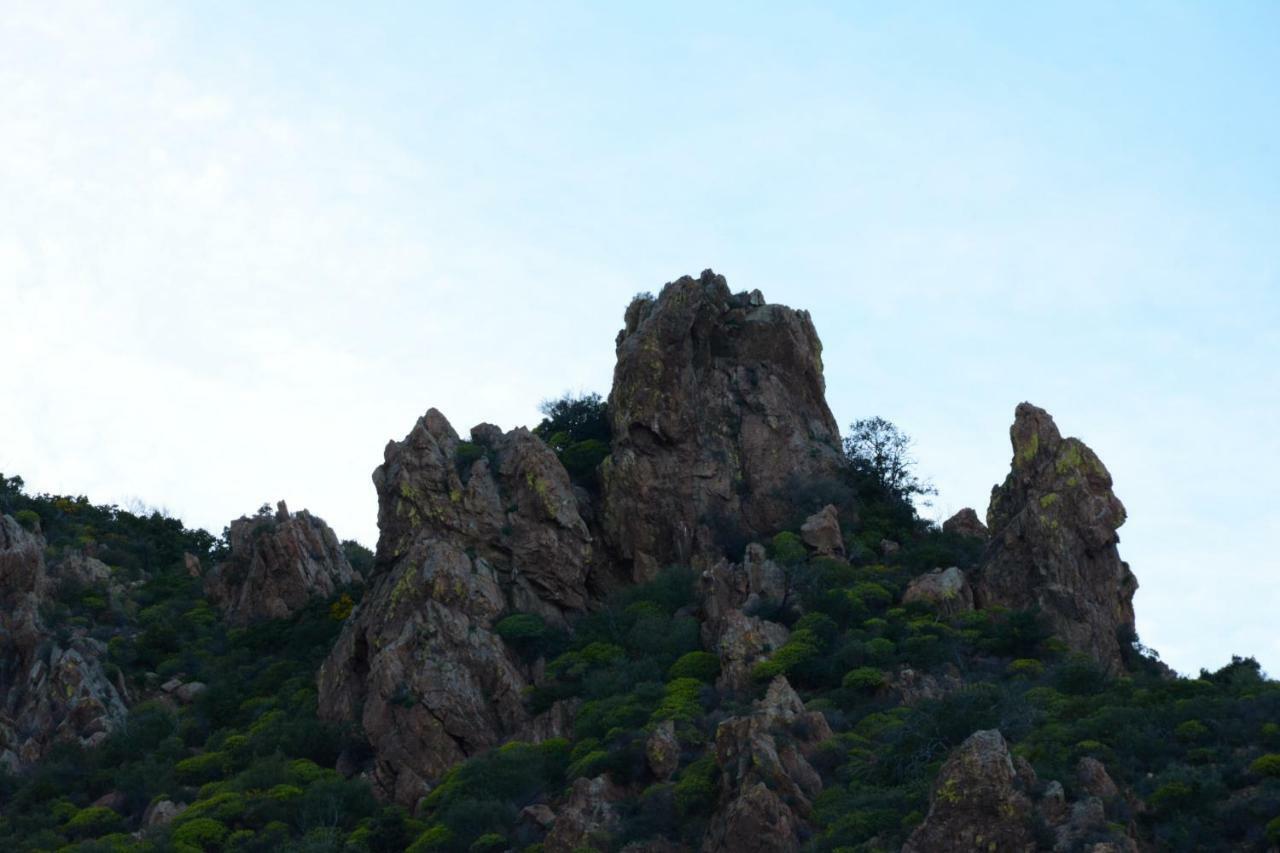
(243, 245)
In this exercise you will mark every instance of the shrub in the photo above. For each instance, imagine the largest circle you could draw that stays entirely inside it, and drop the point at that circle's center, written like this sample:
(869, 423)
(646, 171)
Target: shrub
(681, 701)
(702, 666)
(1191, 730)
(29, 519)
(1025, 668)
(93, 821)
(202, 833)
(695, 790)
(202, 768)
(341, 609)
(865, 678)
(1266, 765)
(437, 838)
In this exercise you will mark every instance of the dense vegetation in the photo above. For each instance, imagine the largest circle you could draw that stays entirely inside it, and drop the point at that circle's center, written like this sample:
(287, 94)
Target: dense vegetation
(262, 773)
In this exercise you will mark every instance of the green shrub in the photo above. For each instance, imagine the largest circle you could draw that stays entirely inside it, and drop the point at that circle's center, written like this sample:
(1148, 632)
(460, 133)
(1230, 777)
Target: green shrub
(202, 833)
(1266, 765)
(788, 549)
(1191, 730)
(93, 821)
(864, 678)
(1025, 668)
(702, 666)
(435, 840)
(29, 519)
(1273, 830)
(695, 790)
(681, 701)
(202, 768)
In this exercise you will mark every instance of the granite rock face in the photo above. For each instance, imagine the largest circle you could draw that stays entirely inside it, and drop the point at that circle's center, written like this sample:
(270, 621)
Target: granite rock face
(468, 531)
(277, 565)
(49, 691)
(718, 413)
(1053, 541)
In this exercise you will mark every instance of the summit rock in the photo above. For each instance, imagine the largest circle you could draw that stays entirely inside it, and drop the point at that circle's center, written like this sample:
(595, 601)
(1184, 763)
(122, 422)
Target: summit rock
(718, 415)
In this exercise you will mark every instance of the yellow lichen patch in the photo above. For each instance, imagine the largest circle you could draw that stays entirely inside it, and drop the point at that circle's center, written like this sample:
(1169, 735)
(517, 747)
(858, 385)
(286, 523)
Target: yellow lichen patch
(950, 791)
(1069, 459)
(1028, 451)
(455, 495)
(1048, 500)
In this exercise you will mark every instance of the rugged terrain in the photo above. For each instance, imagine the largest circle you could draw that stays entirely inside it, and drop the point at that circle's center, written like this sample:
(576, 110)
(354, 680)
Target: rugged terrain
(687, 618)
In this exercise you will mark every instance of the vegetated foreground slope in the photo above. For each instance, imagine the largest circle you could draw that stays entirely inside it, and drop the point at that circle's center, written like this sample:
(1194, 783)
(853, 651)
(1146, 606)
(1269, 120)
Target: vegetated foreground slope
(687, 618)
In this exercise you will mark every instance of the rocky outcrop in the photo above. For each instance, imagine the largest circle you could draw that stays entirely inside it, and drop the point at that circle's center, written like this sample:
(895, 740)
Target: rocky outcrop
(966, 523)
(767, 785)
(468, 531)
(976, 803)
(586, 819)
(945, 590)
(985, 799)
(50, 691)
(718, 415)
(740, 638)
(278, 564)
(1053, 540)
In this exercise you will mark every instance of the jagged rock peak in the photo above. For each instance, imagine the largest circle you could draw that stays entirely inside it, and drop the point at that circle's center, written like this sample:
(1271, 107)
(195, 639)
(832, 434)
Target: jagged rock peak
(718, 415)
(1053, 526)
(278, 563)
(468, 531)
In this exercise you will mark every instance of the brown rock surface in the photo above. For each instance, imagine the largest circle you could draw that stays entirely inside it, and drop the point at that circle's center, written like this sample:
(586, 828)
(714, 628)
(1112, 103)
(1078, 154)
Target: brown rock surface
(946, 590)
(821, 531)
(718, 412)
(277, 565)
(1053, 540)
(975, 804)
(467, 532)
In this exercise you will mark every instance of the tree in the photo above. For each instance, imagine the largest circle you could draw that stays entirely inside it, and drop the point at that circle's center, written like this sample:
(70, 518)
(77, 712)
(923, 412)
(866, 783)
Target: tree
(878, 449)
(575, 418)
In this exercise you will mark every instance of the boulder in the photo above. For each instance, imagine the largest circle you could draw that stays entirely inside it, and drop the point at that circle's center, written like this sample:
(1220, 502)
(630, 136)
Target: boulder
(966, 523)
(1092, 776)
(945, 590)
(767, 785)
(1053, 541)
(468, 532)
(821, 532)
(161, 813)
(718, 416)
(975, 803)
(278, 564)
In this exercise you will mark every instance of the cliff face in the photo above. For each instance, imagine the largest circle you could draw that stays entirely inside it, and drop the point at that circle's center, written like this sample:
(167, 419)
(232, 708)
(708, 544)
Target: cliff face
(718, 411)
(1053, 526)
(277, 565)
(468, 531)
(50, 691)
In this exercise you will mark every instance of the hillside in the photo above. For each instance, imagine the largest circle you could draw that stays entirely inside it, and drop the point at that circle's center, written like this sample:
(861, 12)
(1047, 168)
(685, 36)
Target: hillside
(689, 617)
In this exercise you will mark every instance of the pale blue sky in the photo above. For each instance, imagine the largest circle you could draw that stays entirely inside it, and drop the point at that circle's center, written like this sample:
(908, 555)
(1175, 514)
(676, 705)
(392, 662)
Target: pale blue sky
(245, 244)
